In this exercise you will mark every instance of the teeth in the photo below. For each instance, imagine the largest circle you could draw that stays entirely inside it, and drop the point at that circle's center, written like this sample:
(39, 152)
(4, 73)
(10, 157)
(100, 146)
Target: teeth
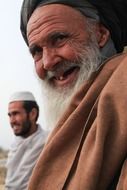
(61, 78)
(15, 127)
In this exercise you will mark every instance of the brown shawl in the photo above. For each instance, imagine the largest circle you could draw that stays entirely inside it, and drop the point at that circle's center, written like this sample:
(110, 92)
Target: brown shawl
(88, 147)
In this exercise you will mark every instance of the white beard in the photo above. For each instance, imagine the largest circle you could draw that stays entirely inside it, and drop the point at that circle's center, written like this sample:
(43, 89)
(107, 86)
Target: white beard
(55, 102)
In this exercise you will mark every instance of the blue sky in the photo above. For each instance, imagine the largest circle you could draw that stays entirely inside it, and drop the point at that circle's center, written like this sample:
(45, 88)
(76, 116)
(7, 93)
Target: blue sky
(16, 66)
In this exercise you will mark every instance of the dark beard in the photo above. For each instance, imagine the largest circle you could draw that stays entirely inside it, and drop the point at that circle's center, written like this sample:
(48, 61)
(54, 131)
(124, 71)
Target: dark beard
(26, 127)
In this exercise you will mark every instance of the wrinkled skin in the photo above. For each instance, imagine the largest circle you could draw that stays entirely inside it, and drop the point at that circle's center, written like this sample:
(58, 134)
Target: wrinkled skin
(55, 34)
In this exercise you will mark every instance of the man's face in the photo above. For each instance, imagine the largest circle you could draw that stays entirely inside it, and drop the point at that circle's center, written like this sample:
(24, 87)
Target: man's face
(19, 119)
(55, 34)
(64, 54)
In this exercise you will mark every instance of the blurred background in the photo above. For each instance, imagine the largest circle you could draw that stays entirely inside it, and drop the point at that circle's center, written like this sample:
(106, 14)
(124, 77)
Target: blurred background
(16, 65)
(16, 73)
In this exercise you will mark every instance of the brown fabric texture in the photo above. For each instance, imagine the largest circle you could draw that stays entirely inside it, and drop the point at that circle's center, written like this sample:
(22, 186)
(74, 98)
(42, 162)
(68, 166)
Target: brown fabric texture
(87, 150)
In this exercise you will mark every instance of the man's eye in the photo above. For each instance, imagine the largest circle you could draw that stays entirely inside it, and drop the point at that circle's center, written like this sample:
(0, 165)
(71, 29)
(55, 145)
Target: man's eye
(34, 50)
(58, 40)
(37, 56)
(61, 37)
(36, 53)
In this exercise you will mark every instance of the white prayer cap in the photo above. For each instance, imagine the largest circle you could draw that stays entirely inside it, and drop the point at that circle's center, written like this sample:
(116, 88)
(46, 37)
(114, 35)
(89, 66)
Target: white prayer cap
(22, 96)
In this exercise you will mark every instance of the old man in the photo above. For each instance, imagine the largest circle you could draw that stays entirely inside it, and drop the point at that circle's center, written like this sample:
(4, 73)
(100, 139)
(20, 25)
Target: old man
(76, 47)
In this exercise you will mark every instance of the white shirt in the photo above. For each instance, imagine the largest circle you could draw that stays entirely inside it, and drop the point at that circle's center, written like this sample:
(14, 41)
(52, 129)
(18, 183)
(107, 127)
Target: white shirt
(22, 157)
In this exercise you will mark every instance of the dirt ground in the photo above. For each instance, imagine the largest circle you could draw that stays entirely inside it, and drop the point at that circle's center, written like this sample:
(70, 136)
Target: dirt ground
(3, 157)
(2, 177)
(1, 187)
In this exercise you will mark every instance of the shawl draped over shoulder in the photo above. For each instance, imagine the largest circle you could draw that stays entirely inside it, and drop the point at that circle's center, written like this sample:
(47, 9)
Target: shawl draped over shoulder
(87, 150)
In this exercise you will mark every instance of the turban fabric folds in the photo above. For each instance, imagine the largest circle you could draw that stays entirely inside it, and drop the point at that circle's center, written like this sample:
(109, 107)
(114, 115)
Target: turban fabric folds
(112, 14)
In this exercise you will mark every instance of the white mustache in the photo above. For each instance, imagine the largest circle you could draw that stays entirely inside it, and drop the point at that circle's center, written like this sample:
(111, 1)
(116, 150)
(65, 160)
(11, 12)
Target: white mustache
(61, 68)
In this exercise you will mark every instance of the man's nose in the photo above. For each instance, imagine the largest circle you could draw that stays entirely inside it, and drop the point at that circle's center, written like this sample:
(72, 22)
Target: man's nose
(50, 58)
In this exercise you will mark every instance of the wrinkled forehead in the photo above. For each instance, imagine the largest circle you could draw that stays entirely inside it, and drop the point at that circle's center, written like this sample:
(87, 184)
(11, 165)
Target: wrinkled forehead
(53, 13)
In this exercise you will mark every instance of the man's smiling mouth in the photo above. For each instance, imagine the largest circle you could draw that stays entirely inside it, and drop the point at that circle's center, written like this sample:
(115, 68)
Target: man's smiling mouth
(64, 78)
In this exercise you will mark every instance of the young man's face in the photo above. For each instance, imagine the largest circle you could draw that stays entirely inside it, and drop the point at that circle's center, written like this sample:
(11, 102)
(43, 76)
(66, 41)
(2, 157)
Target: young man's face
(19, 119)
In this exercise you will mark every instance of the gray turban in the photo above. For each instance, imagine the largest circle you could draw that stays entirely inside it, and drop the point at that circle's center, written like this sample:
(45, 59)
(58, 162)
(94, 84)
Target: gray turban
(112, 14)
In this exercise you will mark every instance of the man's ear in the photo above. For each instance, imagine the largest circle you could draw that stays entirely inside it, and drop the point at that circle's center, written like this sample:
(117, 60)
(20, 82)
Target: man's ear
(33, 114)
(103, 35)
